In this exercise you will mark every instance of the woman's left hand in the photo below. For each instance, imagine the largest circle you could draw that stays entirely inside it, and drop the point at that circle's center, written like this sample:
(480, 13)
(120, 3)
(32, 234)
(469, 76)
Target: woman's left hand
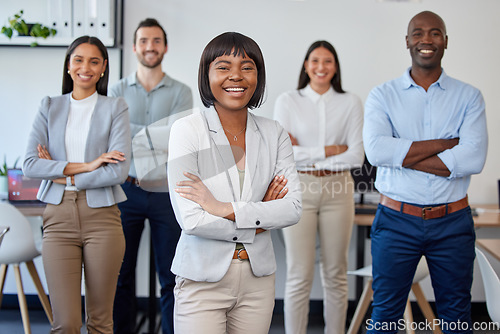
(195, 190)
(43, 153)
(276, 189)
(293, 139)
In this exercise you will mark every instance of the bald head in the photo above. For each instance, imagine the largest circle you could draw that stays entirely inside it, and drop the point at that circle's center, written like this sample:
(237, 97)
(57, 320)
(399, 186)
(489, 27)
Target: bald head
(427, 16)
(426, 41)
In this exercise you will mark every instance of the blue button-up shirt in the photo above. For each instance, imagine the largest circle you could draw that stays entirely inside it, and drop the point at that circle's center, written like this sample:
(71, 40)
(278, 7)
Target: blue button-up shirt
(399, 112)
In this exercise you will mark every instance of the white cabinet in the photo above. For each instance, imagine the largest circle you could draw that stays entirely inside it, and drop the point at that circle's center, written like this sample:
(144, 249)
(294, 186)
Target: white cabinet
(71, 19)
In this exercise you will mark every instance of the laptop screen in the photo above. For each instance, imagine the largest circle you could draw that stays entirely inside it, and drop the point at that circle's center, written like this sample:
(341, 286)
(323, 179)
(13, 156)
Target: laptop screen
(22, 188)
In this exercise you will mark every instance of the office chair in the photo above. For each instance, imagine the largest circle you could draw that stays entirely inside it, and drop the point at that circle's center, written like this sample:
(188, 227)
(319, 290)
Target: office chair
(3, 230)
(17, 247)
(491, 284)
(366, 299)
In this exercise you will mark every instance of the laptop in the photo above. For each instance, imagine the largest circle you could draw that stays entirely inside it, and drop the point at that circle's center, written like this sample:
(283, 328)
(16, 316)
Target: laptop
(22, 189)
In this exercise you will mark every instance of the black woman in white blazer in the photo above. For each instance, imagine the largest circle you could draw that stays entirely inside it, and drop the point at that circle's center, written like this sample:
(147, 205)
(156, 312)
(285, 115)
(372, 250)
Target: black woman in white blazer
(233, 179)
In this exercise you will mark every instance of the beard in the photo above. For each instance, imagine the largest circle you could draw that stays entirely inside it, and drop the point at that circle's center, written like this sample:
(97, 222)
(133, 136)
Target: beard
(150, 64)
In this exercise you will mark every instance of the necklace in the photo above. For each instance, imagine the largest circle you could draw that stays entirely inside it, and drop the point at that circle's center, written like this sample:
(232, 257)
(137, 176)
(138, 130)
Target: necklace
(235, 136)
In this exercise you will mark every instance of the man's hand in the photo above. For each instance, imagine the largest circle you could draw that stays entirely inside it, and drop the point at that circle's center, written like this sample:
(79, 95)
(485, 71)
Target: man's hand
(422, 156)
(421, 150)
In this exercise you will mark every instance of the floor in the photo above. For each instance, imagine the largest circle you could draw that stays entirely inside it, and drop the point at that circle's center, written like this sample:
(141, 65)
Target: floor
(10, 322)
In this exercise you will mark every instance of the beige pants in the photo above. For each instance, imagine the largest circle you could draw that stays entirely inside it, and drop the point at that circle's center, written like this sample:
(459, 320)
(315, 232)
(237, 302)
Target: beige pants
(75, 236)
(240, 303)
(327, 213)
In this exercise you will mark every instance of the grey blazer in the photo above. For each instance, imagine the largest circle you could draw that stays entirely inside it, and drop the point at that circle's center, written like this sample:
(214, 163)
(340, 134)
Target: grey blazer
(109, 130)
(198, 145)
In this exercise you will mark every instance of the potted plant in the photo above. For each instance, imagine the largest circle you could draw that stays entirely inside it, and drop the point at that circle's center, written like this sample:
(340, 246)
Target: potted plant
(22, 28)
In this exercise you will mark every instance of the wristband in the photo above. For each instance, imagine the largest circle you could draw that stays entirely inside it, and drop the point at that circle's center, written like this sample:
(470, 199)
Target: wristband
(68, 181)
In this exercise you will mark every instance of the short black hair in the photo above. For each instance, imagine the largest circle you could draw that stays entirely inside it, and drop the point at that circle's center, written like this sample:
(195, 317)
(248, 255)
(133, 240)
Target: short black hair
(238, 45)
(336, 81)
(102, 84)
(150, 22)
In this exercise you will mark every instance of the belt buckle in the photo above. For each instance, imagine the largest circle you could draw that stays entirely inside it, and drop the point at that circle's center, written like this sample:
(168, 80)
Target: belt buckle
(424, 209)
(238, 255)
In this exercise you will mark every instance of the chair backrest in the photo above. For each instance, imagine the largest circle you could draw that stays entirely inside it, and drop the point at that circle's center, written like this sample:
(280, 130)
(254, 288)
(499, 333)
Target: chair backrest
(3, 230)
(421, 272)
(491, 284)
(18, 244)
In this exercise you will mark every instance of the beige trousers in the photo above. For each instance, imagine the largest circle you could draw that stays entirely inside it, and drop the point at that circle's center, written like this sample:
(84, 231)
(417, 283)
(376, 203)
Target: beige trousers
(240, 303)
(327, 216)
(77, 236)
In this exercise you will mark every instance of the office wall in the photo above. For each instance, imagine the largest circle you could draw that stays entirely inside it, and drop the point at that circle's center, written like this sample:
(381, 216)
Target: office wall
(368, 34)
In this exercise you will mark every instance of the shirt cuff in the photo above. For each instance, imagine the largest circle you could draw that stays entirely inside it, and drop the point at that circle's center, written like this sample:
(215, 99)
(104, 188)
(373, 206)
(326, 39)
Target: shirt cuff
(449, 161)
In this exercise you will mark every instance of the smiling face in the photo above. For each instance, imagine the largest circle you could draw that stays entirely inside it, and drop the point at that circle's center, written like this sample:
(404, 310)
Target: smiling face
(150, 46)
(426, 41)
(86, 64)
(233, 80)
(320, 67)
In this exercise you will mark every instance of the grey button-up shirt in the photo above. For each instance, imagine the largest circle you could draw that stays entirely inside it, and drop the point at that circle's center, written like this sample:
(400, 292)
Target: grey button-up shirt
(169, 98)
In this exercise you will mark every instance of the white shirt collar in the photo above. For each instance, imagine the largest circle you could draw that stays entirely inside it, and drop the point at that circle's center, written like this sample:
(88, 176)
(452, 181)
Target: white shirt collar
(314, 96)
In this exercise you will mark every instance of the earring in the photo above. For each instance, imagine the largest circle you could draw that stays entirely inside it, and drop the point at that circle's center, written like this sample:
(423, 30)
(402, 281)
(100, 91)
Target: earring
(102, 74)
(69, 72)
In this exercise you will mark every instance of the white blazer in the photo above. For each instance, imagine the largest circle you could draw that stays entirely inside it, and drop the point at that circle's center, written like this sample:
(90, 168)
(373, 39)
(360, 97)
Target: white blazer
(198, 145)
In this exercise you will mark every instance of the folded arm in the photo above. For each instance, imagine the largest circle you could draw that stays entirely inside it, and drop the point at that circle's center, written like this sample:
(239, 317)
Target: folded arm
(221, 219)
(422, 156)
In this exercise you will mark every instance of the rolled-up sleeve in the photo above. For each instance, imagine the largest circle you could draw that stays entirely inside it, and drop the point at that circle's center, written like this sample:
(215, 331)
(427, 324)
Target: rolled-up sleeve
(469, 156)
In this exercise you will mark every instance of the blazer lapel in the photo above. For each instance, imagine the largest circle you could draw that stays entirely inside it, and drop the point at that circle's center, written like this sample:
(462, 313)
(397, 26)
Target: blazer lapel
(223, 151)
(253, 142)
(95, 126)
(59, 122)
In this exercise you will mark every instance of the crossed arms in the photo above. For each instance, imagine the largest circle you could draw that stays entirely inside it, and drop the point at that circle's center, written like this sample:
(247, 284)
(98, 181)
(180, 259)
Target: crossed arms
(422, 156)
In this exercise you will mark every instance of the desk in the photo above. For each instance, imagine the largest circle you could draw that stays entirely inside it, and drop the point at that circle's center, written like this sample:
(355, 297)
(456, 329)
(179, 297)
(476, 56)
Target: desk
(492, 246)
(488, 215)
(31, 210)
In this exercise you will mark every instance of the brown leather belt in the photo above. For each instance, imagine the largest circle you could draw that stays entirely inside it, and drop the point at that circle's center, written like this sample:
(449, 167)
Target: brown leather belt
(240, 254)
(319, 173)
(428, 212)
(132, 180)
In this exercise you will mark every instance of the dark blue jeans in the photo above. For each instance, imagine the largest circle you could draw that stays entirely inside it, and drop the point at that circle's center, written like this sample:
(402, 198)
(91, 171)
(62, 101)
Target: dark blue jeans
(398, 242)
(165, 233)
